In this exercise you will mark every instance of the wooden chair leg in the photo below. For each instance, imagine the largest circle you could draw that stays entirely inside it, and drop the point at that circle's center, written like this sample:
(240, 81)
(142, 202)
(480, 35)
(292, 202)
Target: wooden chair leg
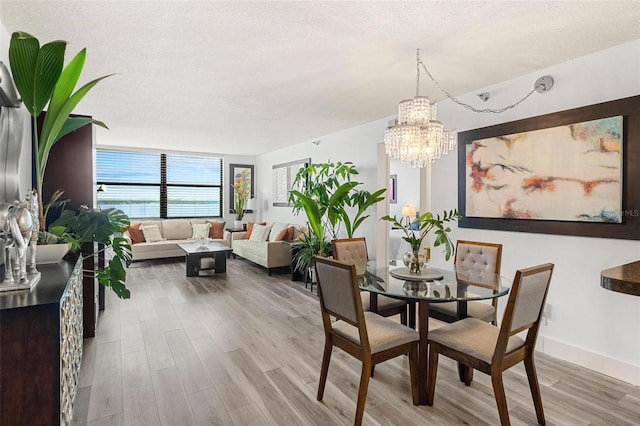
(403, 316)
(362, 391)
(326, 357)
(432, 373)
(413, 373)
(501, 398)
(530, 366)
(373, 370)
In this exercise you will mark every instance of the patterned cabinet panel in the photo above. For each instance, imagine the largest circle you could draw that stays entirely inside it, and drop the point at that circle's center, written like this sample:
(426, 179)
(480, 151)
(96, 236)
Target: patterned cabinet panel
(41, 347)
(70, 343)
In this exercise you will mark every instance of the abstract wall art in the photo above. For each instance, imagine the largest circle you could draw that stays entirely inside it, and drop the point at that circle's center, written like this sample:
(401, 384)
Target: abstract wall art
(571, 173)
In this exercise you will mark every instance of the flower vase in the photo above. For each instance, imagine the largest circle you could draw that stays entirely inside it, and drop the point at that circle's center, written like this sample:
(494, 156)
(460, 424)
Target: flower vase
(237, 224)
(415, 261)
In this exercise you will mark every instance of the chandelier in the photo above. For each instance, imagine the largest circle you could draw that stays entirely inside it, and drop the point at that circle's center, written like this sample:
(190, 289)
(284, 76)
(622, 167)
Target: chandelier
(418, 138)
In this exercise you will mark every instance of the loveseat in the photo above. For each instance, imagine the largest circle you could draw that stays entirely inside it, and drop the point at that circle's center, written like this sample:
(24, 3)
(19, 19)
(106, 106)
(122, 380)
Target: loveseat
(266, 244)
(171, 233)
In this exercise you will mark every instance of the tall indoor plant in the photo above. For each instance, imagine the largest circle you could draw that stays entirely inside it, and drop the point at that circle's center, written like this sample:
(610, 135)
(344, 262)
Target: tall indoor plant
(330, 199)
(43, 81)
(426, 223)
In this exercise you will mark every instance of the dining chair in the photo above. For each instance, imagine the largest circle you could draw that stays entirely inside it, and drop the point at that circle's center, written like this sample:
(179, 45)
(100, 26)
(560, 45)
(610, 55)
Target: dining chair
(478, 256)
(355, 250)
(365, 335)
(492, 350)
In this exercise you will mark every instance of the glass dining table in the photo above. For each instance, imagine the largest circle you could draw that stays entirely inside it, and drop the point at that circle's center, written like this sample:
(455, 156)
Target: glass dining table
(433, 285)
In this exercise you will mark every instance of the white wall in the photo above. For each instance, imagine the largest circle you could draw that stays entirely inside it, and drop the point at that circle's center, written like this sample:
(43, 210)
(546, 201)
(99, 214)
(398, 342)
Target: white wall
(408, 187)
(587, 325)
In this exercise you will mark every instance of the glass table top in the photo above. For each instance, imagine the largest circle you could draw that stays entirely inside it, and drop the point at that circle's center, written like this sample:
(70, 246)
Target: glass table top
(457, 284)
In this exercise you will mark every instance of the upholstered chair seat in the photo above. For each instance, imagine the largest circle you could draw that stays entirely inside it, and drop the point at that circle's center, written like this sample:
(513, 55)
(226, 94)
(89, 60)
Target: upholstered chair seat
(355, 250)
(477, 256)
(365, 335)
(492, 350)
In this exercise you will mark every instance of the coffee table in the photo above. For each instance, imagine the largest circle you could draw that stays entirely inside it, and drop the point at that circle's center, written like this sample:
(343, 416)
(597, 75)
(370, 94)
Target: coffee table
(195, 252)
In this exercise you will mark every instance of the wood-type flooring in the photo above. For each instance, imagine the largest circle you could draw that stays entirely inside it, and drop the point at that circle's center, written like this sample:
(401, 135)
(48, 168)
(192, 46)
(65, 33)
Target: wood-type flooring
(243, 348)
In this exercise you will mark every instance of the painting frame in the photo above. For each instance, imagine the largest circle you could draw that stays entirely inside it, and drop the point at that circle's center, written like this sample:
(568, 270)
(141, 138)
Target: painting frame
(629, 109)
(393, 189)
(238, 168)
(287, 173)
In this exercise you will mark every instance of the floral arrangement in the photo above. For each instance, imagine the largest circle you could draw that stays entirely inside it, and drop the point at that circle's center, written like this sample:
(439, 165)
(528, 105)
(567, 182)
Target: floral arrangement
(426, 223)
(241, 191)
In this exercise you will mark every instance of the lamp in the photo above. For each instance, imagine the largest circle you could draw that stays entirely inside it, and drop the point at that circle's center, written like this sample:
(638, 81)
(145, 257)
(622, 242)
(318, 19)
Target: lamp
(408, 211)
(417, 138)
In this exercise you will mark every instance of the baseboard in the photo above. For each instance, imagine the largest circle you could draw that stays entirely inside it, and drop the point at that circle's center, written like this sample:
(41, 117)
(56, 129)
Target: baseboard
(616, 368)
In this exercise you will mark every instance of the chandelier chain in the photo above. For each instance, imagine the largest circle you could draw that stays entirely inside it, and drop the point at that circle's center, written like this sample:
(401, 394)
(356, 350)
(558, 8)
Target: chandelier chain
(454, 99)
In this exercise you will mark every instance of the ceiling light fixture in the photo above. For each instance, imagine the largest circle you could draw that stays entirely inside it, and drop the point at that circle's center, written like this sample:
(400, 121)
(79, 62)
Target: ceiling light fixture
(417, 137)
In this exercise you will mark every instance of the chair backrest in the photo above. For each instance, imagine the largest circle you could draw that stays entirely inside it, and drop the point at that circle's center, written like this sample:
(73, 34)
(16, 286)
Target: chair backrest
(477, 255)
(351, 250)
(338, 290)
(524, 307)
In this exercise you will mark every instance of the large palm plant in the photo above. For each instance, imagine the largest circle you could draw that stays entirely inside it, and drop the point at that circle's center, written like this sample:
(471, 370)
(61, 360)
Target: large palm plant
(43, 82)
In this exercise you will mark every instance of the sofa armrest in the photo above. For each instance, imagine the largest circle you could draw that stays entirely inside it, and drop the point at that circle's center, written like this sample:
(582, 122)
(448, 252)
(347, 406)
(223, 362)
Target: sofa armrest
(278, 253)
(237, 235)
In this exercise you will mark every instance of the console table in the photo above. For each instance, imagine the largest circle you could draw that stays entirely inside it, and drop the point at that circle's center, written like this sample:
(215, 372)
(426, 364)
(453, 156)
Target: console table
(623, 278)
(41, 347)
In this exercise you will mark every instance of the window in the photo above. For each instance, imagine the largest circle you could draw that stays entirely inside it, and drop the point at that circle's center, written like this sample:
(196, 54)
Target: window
(151, 184)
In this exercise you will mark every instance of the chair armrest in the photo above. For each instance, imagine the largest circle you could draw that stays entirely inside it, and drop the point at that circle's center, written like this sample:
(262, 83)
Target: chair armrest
(237, 235)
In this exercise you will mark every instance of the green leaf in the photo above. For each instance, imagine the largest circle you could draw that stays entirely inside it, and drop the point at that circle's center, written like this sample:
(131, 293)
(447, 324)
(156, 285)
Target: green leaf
(35, 70)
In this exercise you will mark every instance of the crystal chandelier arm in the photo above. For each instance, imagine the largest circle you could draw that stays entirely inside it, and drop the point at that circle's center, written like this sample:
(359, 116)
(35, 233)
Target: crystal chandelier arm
(485, 110)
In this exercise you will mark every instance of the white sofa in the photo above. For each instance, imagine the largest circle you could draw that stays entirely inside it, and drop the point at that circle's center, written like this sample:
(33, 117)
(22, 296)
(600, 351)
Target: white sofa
(270, 253)
(174, 231)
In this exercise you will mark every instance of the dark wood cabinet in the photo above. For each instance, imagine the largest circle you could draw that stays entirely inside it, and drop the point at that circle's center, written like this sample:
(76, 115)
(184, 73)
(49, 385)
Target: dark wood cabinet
(41, 348)
(71, 169)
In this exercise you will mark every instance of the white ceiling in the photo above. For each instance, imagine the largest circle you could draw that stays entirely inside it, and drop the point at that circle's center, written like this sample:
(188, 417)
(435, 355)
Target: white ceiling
(250, 77)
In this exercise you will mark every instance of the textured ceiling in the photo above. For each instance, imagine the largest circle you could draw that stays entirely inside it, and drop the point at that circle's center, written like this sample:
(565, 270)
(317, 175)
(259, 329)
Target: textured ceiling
(250, 77)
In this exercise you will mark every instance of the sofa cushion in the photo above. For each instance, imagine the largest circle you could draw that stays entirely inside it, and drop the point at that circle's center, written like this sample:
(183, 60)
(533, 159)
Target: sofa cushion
(200, 231)
(285, 234)
(260, 233)
(151, 233)
(250, 225)
(217, 229)
(275, 230)
(135, 233)
(176, 229)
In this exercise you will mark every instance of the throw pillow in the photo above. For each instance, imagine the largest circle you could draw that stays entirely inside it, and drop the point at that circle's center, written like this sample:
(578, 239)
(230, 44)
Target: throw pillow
(217, 229)
(151, 233)
(200, 231)
(276, 227)
(260, 233)
(135, 233)
(247, 235)
(285, 234)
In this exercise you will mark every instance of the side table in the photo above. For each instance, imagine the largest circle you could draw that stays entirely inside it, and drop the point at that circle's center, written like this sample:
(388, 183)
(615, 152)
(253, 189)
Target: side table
(232, 230)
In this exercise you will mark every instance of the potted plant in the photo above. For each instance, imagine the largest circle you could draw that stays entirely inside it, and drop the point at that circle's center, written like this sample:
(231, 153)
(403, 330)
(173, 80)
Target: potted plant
(330, 199)
(241, 192)
(43, 82)
(414, 259)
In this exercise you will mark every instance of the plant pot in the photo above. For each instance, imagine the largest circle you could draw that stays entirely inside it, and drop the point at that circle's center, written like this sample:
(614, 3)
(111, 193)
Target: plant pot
(237, 224)
(51, 253)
